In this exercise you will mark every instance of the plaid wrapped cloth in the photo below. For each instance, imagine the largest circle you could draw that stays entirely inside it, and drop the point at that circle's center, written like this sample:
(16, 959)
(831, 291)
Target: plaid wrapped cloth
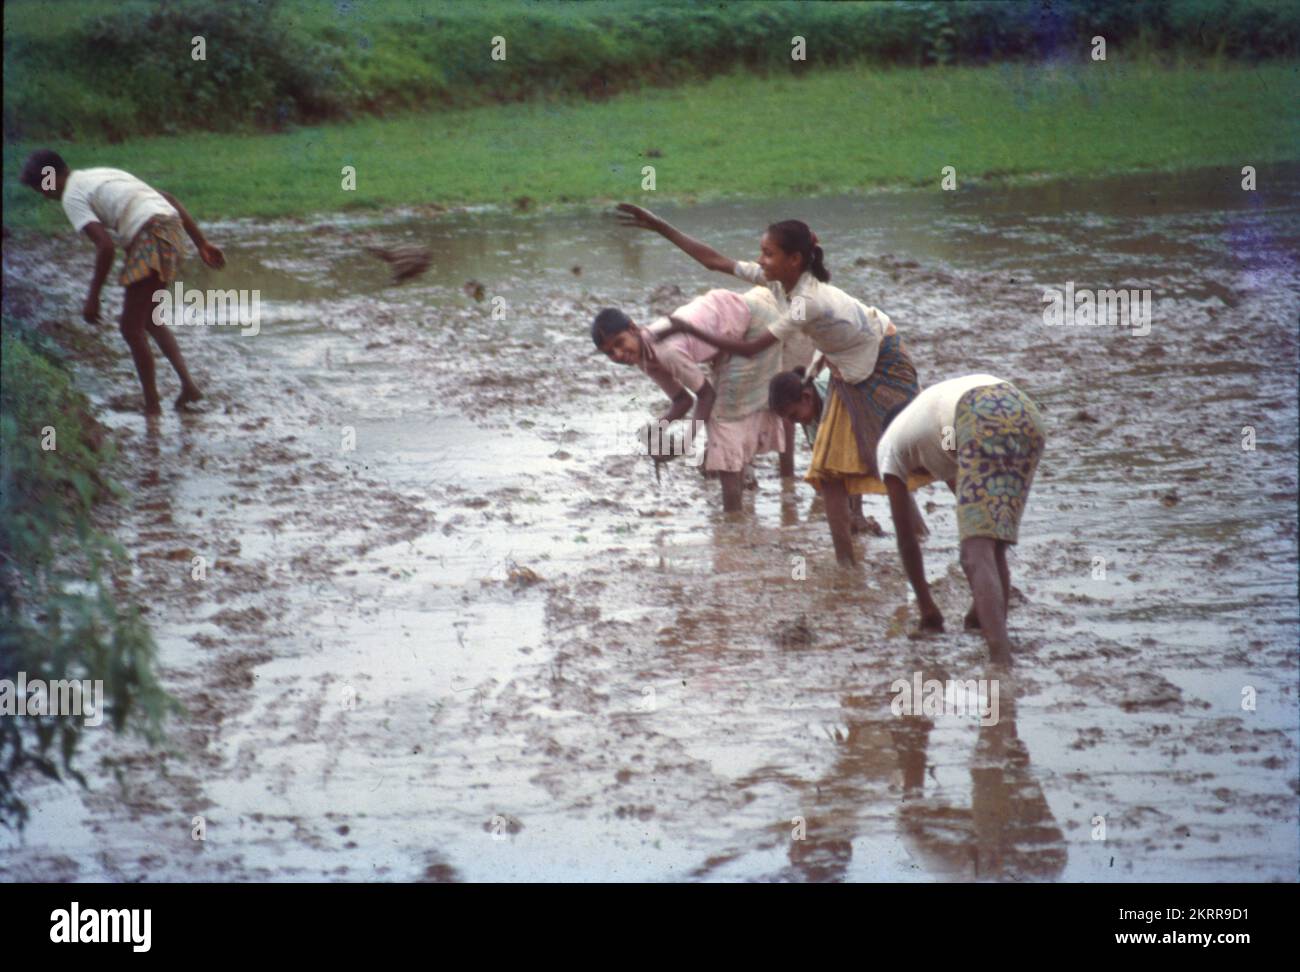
(854, 416)
(157, 248)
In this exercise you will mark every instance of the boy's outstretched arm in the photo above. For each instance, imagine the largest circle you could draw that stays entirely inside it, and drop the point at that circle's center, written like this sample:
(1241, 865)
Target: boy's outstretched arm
(746, 349)
(702, 253)
(104, 253)
(211, 255)
(909, 549)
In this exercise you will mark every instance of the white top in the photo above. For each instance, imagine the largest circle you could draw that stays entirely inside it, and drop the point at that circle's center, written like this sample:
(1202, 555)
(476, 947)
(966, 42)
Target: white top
(916, 438)
(843, 328)
(115, 198)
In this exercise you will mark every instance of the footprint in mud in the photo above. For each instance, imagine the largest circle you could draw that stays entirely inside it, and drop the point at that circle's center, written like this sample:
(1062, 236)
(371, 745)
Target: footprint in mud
(794, 634)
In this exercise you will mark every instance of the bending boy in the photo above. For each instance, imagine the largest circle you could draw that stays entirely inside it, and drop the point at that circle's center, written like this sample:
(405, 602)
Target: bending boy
(103, 201)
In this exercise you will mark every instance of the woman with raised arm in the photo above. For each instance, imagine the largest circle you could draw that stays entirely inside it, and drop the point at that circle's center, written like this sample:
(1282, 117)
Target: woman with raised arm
(872, 376)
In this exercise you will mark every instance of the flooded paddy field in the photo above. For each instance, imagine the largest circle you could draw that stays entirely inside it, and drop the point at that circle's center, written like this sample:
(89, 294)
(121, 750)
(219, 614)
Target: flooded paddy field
(453, 629)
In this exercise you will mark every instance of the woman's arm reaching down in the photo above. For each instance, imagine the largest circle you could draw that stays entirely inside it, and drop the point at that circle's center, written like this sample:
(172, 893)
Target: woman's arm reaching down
(702, 253)
(746, 349)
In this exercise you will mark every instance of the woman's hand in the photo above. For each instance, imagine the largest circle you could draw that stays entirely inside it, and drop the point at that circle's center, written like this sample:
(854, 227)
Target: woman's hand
(635, 216)
(212, 255)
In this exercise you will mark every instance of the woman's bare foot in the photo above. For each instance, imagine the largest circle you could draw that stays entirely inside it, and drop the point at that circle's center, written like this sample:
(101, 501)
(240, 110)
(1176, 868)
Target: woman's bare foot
(931, 620)
(152, 408)
(188, 395)
(1001, 655)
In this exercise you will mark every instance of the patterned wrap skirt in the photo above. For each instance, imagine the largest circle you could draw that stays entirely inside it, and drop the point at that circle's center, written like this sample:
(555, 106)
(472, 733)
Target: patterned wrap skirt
(853, 418)
(1000, 437)
(157, 248)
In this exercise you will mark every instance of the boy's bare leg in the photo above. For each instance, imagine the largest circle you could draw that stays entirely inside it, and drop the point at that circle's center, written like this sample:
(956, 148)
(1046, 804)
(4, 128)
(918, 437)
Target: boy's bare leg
(164, 338)
(731, 491)
(979, 561)
(787, 454)
(137, 311)
(837, 515)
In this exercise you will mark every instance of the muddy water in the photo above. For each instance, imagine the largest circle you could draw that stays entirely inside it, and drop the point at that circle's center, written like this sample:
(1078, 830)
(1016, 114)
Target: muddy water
(484, 644)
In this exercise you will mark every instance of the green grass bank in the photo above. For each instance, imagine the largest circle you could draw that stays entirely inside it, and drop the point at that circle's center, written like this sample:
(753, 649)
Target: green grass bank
(835, 131)
(87, 70)
(62, 615)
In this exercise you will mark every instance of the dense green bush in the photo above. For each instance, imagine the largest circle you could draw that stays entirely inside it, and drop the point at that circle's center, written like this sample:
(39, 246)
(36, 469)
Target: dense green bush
(60, 617)
(76, 72)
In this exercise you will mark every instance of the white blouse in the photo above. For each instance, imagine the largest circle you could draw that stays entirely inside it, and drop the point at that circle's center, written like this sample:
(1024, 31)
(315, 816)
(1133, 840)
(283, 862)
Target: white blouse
(843, 328)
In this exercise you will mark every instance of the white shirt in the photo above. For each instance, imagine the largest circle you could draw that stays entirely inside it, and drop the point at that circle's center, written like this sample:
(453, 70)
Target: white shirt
(115, 198)
(916, 438)
(843, 328)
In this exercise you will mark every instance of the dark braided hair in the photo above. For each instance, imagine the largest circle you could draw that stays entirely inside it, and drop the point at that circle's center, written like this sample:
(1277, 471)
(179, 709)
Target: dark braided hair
(795, 236)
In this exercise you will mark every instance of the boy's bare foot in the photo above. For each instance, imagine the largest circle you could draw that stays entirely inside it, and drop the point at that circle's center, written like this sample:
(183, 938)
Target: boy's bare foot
(972, 620)
(152, 408)
(1000, 655)
(187, 395)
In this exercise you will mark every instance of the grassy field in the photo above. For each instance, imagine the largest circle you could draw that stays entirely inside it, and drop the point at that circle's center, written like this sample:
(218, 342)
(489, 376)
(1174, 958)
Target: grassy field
(119, 69)
(834, 131)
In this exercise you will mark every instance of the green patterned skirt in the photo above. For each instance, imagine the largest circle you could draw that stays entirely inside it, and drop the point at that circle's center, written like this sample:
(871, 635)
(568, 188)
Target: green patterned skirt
(1000, 437)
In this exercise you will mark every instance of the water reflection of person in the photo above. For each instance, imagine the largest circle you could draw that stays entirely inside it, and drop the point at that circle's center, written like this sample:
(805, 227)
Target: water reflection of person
(1008, 831)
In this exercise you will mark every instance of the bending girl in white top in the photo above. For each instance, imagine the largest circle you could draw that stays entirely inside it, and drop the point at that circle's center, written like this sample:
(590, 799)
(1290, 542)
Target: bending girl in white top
(873, 378)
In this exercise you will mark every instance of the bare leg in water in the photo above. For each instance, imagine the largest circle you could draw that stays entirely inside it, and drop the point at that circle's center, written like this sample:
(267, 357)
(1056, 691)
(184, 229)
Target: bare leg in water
(787, 455)
(137, 325)
(972, 622)
(989, 588)
(836, 498)
(732, 484)
(856, 516)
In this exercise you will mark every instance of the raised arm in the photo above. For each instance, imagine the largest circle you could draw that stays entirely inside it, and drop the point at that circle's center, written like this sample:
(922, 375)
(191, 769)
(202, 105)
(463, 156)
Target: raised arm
(211, 255)
(746, 349)
(702, 253)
